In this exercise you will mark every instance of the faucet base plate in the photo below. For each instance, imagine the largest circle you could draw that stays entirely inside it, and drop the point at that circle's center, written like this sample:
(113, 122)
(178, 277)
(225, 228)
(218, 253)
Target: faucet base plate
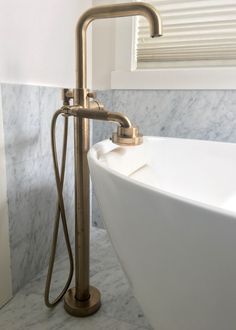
(82, 308)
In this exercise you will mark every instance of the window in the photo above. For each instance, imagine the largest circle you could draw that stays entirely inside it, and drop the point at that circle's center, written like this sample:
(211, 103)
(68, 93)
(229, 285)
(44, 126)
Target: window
(195, 33)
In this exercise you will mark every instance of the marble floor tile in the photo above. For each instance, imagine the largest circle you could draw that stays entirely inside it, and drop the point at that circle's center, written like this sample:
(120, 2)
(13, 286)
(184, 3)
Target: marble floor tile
(119, 311)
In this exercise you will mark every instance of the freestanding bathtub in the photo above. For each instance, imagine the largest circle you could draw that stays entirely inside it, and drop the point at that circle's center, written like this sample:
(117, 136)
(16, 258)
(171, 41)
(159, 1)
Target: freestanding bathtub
(172, 221)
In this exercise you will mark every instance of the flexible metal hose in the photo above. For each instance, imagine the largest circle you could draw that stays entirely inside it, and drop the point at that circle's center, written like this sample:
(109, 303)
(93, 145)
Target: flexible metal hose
(60, 211)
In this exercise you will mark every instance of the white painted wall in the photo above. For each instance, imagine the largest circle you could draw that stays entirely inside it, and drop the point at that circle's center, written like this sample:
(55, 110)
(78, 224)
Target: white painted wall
(5, 271)
(37, 41)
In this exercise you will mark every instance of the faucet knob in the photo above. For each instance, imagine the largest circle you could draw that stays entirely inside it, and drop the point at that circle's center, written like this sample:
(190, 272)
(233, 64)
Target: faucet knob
(92, 95)
(67, 95)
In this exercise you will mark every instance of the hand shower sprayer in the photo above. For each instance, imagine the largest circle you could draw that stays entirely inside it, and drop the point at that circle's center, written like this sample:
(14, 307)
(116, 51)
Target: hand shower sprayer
(84, 300)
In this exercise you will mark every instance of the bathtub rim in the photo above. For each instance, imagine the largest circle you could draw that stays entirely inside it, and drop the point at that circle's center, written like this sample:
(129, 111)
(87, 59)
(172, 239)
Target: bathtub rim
(211, 208)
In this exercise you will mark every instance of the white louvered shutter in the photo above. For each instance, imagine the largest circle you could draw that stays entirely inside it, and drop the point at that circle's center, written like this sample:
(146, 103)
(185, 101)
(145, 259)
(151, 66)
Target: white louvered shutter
(195, 33)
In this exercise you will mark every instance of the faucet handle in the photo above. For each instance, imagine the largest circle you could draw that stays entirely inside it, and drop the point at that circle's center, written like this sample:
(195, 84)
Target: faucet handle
(67, 95)
(92, 95)
(94, 103)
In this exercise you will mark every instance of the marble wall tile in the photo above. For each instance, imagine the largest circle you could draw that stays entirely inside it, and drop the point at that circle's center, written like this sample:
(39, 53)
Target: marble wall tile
(27, 112)
(21, 111)
(208, 115)
(49, 102)
(187, 114)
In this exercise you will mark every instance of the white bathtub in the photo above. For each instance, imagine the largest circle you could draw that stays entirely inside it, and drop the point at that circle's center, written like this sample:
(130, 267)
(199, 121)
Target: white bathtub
(173, 226)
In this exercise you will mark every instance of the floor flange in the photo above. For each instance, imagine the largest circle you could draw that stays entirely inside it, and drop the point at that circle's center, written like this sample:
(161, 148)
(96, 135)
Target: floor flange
(82, 308)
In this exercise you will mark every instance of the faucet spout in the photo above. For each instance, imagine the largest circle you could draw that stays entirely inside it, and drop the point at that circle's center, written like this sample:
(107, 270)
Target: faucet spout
(110, 11)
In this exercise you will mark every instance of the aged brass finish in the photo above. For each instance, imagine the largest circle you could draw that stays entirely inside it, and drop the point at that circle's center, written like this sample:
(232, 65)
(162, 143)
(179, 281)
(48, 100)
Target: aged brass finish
(60, 212)
(82, 308)
(110, 11)
(81, 104)
(127, 136)
(67, 95)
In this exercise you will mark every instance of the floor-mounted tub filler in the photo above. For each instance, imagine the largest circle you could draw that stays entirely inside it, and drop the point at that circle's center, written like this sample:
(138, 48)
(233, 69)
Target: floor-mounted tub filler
(81, 105)
(168, 205)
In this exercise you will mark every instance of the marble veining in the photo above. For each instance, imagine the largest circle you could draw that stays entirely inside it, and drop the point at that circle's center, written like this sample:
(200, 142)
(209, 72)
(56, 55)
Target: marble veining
(119, 311)
(27, 112)
(21, 122)
(202, 114)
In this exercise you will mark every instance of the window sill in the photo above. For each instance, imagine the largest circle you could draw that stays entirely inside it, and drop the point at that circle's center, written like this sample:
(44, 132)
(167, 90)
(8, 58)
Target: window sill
(176, 78)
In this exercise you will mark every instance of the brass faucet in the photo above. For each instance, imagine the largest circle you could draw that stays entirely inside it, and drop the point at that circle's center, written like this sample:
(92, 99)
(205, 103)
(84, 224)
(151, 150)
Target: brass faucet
(84, 300)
